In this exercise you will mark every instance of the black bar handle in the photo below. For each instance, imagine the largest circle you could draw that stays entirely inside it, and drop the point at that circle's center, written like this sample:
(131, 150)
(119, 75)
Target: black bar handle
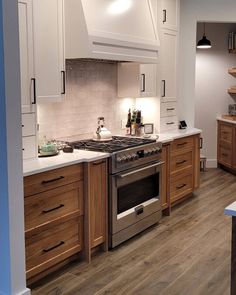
(34, 90)
(52, 180)
(181, 144)
(201, 143)
(98, 163)
(53, 209)
(181, 186)
(181, 162)
(63, 82)
(54, 247)
(143, 83)
(170, 123)
(164, 88)
(164, 16)
(170, 109)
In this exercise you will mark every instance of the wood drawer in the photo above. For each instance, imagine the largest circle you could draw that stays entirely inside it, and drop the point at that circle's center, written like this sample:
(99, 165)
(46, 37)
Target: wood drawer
(225, 132)
(41, 182)
(181, 186)
(181, 162)
(52, 246)
(182, 143)
(225, 155)
(53, 204)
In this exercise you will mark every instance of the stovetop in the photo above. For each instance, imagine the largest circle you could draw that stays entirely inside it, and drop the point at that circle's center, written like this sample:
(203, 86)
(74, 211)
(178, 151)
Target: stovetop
(118, 143)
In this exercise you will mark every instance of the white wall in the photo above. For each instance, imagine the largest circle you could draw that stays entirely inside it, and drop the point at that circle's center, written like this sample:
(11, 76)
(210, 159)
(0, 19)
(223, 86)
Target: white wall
(191, 12)
(212, 82)
(12, 250)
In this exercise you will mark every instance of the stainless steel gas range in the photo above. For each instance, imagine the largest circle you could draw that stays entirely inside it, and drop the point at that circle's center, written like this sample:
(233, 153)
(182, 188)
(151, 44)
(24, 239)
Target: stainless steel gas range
(134, 184)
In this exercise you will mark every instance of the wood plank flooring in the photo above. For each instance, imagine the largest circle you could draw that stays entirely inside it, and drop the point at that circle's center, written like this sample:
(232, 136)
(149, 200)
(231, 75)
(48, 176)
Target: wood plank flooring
(188, 253)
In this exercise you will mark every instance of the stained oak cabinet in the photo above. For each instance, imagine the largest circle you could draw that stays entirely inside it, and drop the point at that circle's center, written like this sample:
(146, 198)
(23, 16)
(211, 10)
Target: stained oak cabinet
(165, 183)
(65, 216)
(184, 167)
(96, 204)
(226, 155)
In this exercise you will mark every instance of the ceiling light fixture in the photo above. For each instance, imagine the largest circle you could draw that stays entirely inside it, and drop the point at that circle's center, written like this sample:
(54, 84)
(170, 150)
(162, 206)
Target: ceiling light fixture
(204, 43)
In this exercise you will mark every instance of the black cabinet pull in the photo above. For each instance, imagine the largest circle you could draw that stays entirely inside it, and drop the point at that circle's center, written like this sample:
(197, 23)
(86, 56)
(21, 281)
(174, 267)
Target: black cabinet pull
(52, 180)
(22, 125)
(143, 83)
(181, 162)
(34, 90)
(201, 143)
(181, 144)
(164, 16)
(54, 247)
(225, 155)
(53, 209)
(170, 123)
(170, 109)
(139, 210)
(63, 82)
(164, 88)
(98, 163)
(181, 186)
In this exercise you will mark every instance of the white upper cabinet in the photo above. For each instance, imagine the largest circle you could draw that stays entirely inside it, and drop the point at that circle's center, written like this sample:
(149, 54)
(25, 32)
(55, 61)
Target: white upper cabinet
(49, 61)
(26, 56)
(169, 14)
(169, 43)
(135, 80)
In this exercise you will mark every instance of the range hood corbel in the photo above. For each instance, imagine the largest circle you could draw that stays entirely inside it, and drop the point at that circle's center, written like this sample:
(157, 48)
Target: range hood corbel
(93, 30)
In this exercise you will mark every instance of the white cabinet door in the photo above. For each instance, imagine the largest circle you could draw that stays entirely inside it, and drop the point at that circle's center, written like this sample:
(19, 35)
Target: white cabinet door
(49, 50)
(148, 80)
(137, 80)
(169, 49)
(29, 147)
(26, 55)
(29, 124)
(169, 14)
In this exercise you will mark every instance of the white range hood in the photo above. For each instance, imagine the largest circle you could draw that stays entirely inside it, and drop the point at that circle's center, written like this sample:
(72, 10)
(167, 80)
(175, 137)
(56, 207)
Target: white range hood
(122, 30)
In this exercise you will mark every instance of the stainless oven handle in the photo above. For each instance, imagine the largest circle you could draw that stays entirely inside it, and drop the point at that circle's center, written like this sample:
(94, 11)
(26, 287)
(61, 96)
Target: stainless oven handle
(141, 169)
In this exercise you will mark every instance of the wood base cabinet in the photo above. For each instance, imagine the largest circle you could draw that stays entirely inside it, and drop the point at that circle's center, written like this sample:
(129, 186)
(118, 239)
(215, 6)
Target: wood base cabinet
(96, 206)
(54, 216)
(165, 181)
(184, 167)
(226, 147)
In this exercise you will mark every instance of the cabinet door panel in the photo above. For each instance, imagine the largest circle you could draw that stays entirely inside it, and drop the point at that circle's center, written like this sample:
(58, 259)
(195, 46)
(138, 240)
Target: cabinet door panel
(168, 65)
(148, 80)
(170, 14)
(26, 54)
(49, 51)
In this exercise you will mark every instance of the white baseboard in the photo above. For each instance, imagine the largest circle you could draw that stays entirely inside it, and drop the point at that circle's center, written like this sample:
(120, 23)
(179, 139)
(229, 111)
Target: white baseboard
(25, 292)
(211, 163)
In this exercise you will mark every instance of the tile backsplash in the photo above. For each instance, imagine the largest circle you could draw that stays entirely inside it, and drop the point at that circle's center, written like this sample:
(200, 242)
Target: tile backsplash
(91, 91)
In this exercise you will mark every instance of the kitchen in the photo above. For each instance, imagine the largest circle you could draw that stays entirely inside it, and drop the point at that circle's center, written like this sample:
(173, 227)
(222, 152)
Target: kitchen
(185, 102)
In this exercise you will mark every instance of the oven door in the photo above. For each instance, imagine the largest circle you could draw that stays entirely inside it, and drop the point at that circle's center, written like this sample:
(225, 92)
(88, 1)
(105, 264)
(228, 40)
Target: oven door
(135, 194)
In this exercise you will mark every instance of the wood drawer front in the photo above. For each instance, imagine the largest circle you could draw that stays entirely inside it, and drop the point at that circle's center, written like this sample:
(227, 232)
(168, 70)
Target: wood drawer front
(181, 162)
(52, 246)
(53, 204)
(182, 143)
(41, 182)
(226, 132)
(225, 156)
(181, 186)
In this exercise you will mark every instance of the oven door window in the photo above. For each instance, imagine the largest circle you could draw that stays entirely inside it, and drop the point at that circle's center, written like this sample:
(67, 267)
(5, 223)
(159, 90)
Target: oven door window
(138, 192)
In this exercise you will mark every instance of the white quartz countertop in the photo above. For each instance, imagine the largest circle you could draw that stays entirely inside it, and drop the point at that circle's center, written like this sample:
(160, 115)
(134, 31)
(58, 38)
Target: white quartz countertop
(231, 209)
(39, 165)
(175, 134)
(219, 118)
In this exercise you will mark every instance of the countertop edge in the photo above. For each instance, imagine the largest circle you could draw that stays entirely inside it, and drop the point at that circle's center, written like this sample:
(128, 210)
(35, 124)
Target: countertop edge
(225, 120)
(231, 209)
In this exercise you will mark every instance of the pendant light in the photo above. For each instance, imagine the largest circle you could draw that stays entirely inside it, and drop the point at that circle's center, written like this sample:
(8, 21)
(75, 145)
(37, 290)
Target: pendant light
(204, 43)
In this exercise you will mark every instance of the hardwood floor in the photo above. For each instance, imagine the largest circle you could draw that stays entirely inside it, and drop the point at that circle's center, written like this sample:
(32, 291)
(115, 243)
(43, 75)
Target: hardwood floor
(188, 253)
